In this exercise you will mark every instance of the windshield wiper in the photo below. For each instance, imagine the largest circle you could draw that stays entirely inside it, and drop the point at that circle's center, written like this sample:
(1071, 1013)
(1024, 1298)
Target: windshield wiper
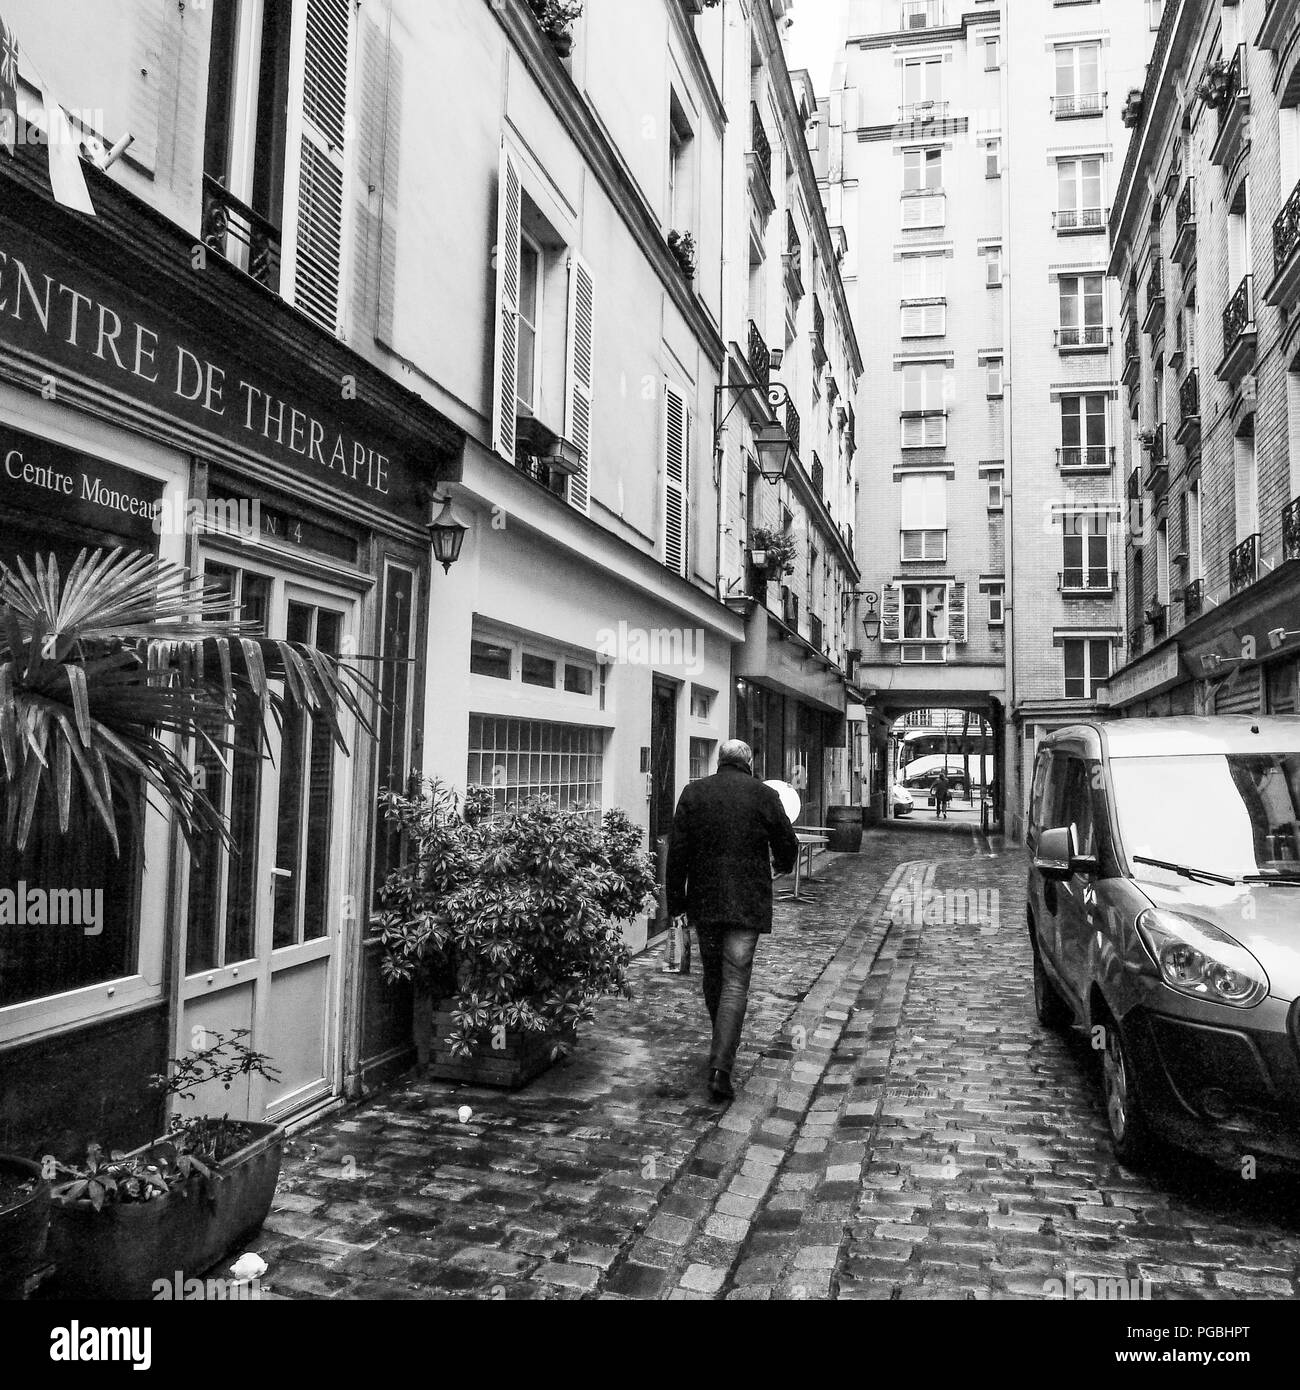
(1292, 878)
(1182, 869)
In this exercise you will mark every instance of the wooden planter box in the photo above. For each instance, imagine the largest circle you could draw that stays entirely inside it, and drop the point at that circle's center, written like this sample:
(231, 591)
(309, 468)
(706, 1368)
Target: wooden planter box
(524, 1056)
(121, 1251)
(24, 1228)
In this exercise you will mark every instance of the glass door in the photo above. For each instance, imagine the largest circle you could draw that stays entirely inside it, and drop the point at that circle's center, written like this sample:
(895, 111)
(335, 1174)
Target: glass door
(264, 916)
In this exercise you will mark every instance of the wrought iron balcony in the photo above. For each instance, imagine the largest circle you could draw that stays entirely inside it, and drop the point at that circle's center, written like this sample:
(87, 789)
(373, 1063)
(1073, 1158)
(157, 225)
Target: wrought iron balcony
(1158, 449)
(1136, 640)
(1189, 409)
(1157, 616)
(760, 355)
(1068, 107)
(1132, 356)
(1079, 220)
(1234, 109)
(1155, 315)
(1193, 599)
(1090, 337)
(923, 111)
(818, 333)
(244, 237)
(818, 475)
(1291, 530)
(1090, 457)
(1239, 332)
(1090, 580)
(762, 145)
(792, 426)
(1184, 249)
(1285, 289)
(1243, 564)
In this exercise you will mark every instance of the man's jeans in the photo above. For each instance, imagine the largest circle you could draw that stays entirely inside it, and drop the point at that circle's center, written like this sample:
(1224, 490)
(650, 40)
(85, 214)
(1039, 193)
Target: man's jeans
(727, 957)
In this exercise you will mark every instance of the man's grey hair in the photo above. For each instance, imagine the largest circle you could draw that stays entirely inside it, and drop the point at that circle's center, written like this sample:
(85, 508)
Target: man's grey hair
(736, 753)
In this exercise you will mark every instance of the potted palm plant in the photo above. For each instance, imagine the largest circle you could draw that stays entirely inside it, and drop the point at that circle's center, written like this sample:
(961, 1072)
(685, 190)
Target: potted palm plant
(509, 923)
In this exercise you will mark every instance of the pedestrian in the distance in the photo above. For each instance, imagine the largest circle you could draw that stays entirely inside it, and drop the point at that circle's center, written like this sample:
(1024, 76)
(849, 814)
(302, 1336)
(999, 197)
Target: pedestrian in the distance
(728, 833)
(941, 796)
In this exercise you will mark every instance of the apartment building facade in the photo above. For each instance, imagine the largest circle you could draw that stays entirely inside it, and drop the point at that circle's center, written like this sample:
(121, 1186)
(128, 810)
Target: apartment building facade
(275, 296)
(1066, 70)
(1207, 258)
(794, 364)
(913, 126)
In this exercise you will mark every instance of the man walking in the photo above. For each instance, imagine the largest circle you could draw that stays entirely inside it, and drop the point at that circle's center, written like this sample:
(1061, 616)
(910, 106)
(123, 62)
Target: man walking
(728, 832)
(941, 795)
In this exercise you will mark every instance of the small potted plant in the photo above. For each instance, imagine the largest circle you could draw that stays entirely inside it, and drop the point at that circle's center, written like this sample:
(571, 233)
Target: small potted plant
(122, 1222)
(1213, 86)
(772, 552)
(682, 245)
(554, 18)
(509, 922)
(24, 1222)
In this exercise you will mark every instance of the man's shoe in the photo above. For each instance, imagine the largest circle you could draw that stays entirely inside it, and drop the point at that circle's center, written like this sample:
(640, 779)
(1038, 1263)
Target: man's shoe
(720, 1086)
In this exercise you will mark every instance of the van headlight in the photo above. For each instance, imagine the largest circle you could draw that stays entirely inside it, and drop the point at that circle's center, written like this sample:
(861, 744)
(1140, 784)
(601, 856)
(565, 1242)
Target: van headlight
(1201, 960)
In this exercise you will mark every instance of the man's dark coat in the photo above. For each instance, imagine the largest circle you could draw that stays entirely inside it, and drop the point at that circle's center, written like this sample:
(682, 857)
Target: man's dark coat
(719, 873)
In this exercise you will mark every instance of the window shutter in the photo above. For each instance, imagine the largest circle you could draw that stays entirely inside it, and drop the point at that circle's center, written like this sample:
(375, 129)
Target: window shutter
(676, 429)
(577, 425)
(509, 208)
(318, 243)
(891, 613)
(957, 612)
(923, 320)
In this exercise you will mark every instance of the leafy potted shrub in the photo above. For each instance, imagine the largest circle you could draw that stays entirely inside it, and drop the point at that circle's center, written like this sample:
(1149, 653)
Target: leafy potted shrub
(772, 552)
(682, 245)
(24, 1222)
(122, 1222)
(554, 18)
(510, 922)
(1213, 86)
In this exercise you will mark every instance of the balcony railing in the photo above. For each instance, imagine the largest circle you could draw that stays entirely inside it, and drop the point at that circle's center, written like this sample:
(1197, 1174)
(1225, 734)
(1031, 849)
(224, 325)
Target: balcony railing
(1090, 580)
(1155, 314)
(1132, 356)
(792, 425)
(1159, 452)
(922, 14)
(244, 237)
(1234, 110)
(1184, 249)
(1079, 219)
(1243, 564)
(1095, 456)
(760, 355)
(1078, 104)
(1286, 230)
(1189, 409)
(1081, 338)
(818, 475)
(1193, 599)
(819, 333)
(923, 111)
(1239, 331)
(815, 631)
(1234, 88)
(1291, 530)
(1158, 617)
(1136, 640)
(762, 145)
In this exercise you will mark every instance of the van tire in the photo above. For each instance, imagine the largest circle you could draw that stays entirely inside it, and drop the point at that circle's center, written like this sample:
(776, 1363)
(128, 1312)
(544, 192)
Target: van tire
(1049, 1008)
(1130, 1131)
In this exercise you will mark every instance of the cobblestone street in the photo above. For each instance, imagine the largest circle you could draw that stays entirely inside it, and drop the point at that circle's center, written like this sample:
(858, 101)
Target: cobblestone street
(902, 1129)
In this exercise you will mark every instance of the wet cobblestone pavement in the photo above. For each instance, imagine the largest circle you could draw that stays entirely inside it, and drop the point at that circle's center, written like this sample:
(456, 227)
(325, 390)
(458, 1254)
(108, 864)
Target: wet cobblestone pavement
(903, 1129)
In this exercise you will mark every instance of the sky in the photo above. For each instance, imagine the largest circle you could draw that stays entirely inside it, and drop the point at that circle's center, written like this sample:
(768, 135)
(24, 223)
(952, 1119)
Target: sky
(815, 38)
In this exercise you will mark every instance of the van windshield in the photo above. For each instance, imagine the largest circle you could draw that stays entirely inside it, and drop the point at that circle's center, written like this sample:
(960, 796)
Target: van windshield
(1225, 813)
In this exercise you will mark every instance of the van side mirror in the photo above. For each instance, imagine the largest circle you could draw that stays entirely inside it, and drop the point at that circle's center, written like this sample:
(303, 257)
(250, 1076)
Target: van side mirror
(1057, 856)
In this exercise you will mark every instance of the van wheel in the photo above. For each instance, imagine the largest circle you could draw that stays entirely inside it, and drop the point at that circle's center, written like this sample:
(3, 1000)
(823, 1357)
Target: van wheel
(1049, 1007)
(1130, 1132)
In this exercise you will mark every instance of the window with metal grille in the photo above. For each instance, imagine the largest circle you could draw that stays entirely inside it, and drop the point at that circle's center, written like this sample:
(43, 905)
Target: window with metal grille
(522, 758)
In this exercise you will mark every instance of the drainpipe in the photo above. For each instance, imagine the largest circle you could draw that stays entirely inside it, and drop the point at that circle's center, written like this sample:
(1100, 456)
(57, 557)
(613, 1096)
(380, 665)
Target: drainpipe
(720, 455)
(1010, 787)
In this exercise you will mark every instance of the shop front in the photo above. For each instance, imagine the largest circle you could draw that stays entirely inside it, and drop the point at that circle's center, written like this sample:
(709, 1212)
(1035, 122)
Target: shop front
(190, 414)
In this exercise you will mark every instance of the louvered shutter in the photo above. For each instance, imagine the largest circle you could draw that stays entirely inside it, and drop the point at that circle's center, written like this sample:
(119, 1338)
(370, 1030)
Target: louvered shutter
(577, 422)
(676, 452)
(923, 320)
(891, 613)
(318, 242)
(957, 613)
(925, 432)
(923, 212)
(506, 363)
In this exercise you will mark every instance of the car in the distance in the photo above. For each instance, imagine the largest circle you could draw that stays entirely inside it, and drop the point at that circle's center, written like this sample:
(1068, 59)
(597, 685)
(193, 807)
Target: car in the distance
(1164, 919)
(901, 801)
(921, 774)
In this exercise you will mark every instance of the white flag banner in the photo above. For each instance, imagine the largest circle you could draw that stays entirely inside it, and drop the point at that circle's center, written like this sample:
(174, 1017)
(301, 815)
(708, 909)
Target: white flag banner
(67, 182)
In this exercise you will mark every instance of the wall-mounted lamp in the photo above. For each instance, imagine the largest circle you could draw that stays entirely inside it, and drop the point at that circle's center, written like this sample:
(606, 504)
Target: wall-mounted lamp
(446, 533)
(871, 619)
(771, 442)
